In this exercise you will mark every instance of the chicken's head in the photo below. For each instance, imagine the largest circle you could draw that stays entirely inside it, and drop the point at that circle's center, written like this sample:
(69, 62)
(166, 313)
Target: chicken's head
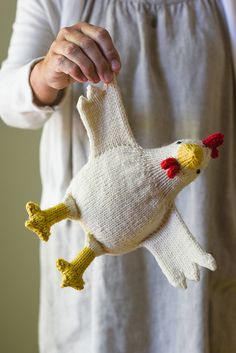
(189, 157)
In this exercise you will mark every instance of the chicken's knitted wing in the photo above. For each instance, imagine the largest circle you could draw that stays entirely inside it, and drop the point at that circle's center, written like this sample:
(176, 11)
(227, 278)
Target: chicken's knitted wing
(104, 117)
(177, 252)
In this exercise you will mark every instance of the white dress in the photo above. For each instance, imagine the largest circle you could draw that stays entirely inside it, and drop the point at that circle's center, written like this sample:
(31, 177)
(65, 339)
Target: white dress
(176, 82)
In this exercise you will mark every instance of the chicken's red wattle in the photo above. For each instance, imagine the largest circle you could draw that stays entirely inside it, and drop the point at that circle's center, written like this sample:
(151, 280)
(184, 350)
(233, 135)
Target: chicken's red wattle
(172, 165)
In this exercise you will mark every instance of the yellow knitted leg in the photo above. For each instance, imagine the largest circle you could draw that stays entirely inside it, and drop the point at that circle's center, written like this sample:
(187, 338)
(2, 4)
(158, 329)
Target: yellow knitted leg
(72, 271)
(40, 221)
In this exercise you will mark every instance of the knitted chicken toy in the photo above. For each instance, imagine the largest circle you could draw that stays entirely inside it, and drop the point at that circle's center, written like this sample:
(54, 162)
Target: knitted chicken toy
(124, 196)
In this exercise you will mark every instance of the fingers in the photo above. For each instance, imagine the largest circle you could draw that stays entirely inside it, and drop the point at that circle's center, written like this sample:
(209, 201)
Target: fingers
(74, 57)
(91, 49)
(80, 53)
(103, 39)
(63, 65)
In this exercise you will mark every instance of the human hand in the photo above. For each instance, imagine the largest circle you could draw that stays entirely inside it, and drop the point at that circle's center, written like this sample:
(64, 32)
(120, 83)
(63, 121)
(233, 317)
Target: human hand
(82, 52)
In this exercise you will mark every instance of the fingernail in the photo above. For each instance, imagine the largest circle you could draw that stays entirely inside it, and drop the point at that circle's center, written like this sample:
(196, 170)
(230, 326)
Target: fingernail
(108, 76)
(84, 79)
(115, 65)
(96, 80)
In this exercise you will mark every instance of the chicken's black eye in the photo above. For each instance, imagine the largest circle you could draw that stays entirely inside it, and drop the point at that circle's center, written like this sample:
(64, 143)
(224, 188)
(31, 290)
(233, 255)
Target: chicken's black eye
(198, 171)
(179, 142)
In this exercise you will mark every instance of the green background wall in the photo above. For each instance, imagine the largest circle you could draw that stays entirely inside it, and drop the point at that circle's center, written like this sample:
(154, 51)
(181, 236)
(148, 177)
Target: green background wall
(19, 248)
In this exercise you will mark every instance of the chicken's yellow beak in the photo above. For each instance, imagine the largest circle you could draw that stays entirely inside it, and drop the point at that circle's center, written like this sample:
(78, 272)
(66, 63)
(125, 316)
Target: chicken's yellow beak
(190, 155)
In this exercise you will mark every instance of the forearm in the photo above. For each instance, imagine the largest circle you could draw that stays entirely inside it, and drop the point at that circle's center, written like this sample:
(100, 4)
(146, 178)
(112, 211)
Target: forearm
(17, 107)
(30, 41)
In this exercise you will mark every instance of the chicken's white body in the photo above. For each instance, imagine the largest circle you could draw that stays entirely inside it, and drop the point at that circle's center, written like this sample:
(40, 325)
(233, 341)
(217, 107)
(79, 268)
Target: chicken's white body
(118, 199)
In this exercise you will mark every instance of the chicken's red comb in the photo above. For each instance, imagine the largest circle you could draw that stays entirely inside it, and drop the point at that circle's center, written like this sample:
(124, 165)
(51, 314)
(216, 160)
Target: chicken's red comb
(172, 165)
(213, 141)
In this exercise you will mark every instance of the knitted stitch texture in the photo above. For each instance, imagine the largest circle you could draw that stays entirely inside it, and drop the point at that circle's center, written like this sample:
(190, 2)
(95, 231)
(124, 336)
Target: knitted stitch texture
(124, 196)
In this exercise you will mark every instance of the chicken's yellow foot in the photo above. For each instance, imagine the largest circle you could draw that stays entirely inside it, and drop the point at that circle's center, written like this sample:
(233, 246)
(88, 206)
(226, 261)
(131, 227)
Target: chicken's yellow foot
(40, 221)
(72, 272)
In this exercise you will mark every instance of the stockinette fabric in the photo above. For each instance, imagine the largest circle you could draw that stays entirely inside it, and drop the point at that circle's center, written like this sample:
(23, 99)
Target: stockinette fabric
(124, 196)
